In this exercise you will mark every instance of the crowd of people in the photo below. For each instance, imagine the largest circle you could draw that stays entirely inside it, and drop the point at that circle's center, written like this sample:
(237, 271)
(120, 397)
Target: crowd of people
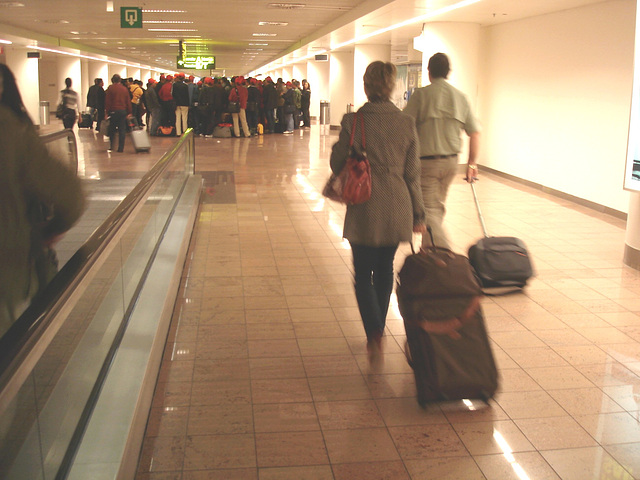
(176, 102)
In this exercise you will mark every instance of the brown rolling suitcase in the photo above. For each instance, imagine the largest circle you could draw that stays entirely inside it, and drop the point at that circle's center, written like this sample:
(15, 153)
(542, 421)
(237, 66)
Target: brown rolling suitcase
(447, 344)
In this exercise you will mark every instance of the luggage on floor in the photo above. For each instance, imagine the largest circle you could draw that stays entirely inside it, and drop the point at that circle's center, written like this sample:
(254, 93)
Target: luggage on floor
(140, 139)
(222, 130)
(85, 120)
(447, 344)
(501, 263)
(166, 131)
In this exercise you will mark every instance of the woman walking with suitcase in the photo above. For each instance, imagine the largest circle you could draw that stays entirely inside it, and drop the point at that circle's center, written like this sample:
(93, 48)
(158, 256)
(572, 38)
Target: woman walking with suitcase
(395, 210)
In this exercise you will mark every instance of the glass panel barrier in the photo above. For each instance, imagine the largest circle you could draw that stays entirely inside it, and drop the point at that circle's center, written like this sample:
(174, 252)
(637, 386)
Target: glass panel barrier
(55, 357)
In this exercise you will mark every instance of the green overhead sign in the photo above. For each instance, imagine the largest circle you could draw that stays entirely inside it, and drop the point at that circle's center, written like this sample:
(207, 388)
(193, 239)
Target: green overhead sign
(130, 17)
(197, 62)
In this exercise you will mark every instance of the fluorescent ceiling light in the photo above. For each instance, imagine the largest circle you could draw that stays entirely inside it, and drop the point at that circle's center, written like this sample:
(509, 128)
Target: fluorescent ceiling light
(6, 42)
(273, 24)
(144, 10)
(264, 34)
(168, 21)
(263, 44)
(109, 6)
(172, 29)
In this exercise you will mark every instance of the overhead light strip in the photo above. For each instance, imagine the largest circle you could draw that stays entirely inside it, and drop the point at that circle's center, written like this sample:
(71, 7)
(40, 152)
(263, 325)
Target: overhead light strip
(88, 57)
(421, 18)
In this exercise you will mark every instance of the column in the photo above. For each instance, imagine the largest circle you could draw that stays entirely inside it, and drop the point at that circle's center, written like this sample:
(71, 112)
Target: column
(632, 238)
(318, 74)
(71, 67)
(26, 72)
(362, 57)
(340, 84)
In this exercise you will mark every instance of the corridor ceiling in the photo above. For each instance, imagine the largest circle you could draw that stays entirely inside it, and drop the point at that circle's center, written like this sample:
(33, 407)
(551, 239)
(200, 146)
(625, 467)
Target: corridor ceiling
(244, 35)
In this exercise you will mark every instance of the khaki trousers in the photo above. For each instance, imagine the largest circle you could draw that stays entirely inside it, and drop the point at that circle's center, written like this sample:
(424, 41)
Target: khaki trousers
(243, 120)
(436, 178)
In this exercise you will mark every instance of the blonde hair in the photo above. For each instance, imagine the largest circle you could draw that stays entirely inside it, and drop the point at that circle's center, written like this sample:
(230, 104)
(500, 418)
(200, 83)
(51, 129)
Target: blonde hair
(379, 81)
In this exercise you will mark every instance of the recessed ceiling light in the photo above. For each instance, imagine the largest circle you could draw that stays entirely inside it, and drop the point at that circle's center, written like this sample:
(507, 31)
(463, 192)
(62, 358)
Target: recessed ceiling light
(264, 34)
(172, 29)
(287, 6)
(109, 6)
(168, 21)
(262, 44)
(273, 24)
(144, 10)
(11, 4)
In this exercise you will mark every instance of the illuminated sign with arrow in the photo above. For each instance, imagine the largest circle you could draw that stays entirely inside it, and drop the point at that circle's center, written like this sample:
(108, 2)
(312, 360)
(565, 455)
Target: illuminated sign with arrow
(197, 62)
(130, 17)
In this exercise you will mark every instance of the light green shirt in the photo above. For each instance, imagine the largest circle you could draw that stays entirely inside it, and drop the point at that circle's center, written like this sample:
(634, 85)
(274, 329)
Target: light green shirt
(441, 111)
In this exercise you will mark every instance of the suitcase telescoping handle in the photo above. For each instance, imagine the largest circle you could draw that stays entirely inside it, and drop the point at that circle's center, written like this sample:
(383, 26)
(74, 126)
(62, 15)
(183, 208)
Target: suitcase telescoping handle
(475, 199)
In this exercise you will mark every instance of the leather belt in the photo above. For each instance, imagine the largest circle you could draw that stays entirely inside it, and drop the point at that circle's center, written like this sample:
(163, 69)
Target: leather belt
(438, 157)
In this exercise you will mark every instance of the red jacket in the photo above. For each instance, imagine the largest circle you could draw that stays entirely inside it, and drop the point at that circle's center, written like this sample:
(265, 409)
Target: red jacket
(165, 92)
(117, 98)
(241, 96)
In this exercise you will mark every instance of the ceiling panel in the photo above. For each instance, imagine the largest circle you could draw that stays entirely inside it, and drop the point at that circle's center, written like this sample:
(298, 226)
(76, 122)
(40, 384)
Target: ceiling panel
(228, 28)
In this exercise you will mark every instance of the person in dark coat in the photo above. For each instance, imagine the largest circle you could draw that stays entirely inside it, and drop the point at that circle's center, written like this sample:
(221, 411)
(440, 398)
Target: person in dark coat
(395, 210)
(95, 100)
(30, 181)
(270, 100)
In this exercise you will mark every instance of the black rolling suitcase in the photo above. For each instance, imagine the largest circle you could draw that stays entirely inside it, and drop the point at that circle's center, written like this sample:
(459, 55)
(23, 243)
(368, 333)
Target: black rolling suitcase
(447, 344)
(85, 120)
(501, 263)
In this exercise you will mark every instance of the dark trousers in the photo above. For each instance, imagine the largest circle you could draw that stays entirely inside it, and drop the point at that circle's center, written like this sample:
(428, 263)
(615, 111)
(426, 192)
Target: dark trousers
(373, 268)
(119, 123)
(270, 114)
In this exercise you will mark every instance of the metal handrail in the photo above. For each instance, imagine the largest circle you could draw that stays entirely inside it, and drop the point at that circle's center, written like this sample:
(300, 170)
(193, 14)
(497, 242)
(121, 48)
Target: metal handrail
(73, 145)
(27, 338)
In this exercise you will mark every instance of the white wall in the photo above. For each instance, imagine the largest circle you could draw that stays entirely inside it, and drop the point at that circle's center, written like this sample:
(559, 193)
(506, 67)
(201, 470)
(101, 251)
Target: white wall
(317, 75)
(554, 99)
(341, 84)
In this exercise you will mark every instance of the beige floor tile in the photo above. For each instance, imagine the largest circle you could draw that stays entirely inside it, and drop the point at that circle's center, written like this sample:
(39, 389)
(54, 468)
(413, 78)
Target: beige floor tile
(222, 474)
(273, 348)
(507, 340)
(605, 335)
(174, 394)
(352, 387)
(555, 433)
(262, 317)
(287, 390)
(585, 401)
(562, 337)
(533, 404)
(310, 347)
(317, 315)
(276, 367)
(161, 454)
(628, 455)
(516, 380)
(348, 414)
(316, 472)
(360, 445)
(265, 302)
(516, 466)
(270, 331)
(559, 377)
(452, 468)
(371, 471)
(392, 386)
(536, 357)
(583, 354)
(609, 374)
(210, 370)
(220, 419)
(486, 438)
(318, 330)
(167, 421)
(221, 392)
(285, 417)
(427, 441)
(330, 365)
(625, 395)
(474, 411)
(407, 411)
(581, 463)
(209, 452)
(285, 449)
(620, 319)
(611, 428)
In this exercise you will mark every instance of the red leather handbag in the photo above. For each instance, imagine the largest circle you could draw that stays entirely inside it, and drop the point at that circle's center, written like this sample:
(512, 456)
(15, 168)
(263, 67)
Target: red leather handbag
(352, 185)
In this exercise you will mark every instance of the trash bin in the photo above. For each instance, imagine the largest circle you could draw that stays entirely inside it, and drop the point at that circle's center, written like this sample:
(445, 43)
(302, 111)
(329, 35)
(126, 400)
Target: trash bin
(324, 112)
(44, 113)
(349, 107)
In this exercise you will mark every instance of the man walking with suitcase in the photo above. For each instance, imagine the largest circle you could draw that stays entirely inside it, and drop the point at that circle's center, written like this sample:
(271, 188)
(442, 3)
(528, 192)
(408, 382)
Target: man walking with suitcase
(441, 112)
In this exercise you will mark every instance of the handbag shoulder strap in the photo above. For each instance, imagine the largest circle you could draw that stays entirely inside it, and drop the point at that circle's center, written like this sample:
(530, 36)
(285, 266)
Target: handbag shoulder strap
(353, 130)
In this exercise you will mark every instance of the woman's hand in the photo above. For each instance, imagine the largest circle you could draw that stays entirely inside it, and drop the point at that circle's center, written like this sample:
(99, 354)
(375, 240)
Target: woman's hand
(419, 228)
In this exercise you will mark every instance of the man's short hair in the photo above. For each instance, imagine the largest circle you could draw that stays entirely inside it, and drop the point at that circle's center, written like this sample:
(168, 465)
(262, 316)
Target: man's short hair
(116, 78)
(439, 66)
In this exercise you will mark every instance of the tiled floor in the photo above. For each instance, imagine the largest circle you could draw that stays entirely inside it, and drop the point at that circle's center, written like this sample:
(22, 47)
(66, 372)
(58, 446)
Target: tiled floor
(266, 376)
